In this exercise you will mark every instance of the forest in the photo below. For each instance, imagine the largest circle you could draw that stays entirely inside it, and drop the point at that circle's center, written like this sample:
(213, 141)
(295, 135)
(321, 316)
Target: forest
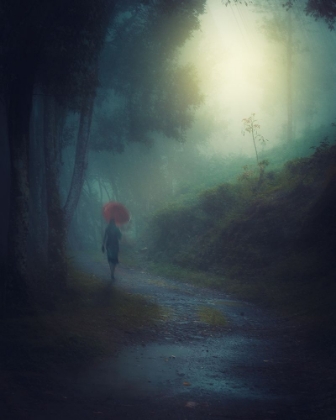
(212, 121)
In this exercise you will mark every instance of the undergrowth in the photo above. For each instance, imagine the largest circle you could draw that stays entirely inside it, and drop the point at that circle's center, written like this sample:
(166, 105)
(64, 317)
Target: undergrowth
(272, 243)
(90, 322)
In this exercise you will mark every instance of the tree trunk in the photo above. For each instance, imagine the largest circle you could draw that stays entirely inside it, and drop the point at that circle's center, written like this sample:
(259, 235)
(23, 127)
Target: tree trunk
(115, 188)
(37, 245)
(56, 224)
(107, 193)
(290, 78)
(19, 104)
(5, 183)
(80, 164)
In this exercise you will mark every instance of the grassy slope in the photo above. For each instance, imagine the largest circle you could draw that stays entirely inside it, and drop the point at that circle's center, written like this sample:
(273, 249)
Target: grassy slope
(274, 245)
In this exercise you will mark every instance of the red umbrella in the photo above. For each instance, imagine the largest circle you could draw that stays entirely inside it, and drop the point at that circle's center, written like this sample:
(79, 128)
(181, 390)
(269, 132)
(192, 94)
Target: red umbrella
(116, 211)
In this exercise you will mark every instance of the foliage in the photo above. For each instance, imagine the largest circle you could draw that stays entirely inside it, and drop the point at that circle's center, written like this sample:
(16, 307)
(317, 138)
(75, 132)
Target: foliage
(52, 49)
(323, 9)
(319, 9)
(273, 243)
(252, 127)
(88, 323)
(151, 93)
(59, 40)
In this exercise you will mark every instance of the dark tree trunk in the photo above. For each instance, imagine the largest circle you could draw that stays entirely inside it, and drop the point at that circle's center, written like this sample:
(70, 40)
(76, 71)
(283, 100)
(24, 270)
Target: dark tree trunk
(56, 223)
(19, 104)
(61, 114)
(37, 249)
(81, 158)
(4, 184)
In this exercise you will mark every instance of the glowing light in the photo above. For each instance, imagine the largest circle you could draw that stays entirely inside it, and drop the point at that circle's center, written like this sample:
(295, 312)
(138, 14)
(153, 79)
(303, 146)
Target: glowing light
(228, 54)
(235, 60)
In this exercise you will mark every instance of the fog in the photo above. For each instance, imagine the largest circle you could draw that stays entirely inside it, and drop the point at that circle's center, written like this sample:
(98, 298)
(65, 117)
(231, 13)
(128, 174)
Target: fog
(249, 59)
(149, 110)
(241, 54)
(149, 148)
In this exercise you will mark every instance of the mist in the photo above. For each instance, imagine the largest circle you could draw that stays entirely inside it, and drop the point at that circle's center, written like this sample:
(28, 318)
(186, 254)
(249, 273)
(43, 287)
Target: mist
(259, 59)
(167, 229)
(242, 53)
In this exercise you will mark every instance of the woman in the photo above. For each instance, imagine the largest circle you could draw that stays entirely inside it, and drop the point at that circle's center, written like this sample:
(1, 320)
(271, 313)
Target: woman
(111, 243)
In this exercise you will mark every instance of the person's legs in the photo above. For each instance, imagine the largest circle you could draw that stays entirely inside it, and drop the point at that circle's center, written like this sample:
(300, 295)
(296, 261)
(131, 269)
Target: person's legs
(112, 268)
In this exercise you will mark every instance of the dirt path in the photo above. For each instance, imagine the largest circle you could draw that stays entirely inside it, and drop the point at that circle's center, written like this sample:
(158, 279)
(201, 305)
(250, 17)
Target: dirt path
(182, 368)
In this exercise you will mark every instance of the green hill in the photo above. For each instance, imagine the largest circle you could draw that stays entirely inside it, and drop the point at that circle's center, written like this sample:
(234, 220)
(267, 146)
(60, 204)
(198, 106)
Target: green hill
(271, 242)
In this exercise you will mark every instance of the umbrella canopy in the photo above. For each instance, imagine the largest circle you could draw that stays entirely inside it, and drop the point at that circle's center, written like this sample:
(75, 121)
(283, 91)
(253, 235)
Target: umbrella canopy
(116, 211)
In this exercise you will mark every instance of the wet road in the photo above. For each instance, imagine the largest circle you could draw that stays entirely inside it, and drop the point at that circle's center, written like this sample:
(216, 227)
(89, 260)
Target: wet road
(184, 368)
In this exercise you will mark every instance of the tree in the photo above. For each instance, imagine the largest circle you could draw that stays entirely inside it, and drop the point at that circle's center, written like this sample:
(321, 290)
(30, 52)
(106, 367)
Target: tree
(322, 9)
(40, 43)
(151, 93)
(148, 94)
(54, 46)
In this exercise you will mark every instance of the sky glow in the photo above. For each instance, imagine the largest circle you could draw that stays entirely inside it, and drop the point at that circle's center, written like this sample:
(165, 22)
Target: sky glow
(240, 72)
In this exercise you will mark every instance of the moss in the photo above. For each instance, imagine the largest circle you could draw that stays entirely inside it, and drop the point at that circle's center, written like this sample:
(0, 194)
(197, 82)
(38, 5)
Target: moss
(89, 323)
(211, 316)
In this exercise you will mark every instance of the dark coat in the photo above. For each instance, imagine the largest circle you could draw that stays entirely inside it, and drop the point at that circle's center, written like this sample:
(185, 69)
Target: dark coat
(111, 241)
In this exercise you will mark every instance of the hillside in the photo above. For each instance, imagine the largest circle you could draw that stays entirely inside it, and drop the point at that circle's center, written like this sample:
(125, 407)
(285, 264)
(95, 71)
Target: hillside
(271, 241)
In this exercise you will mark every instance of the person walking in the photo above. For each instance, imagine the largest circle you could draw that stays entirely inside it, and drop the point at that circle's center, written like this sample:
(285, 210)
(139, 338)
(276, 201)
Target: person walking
(111, 240)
